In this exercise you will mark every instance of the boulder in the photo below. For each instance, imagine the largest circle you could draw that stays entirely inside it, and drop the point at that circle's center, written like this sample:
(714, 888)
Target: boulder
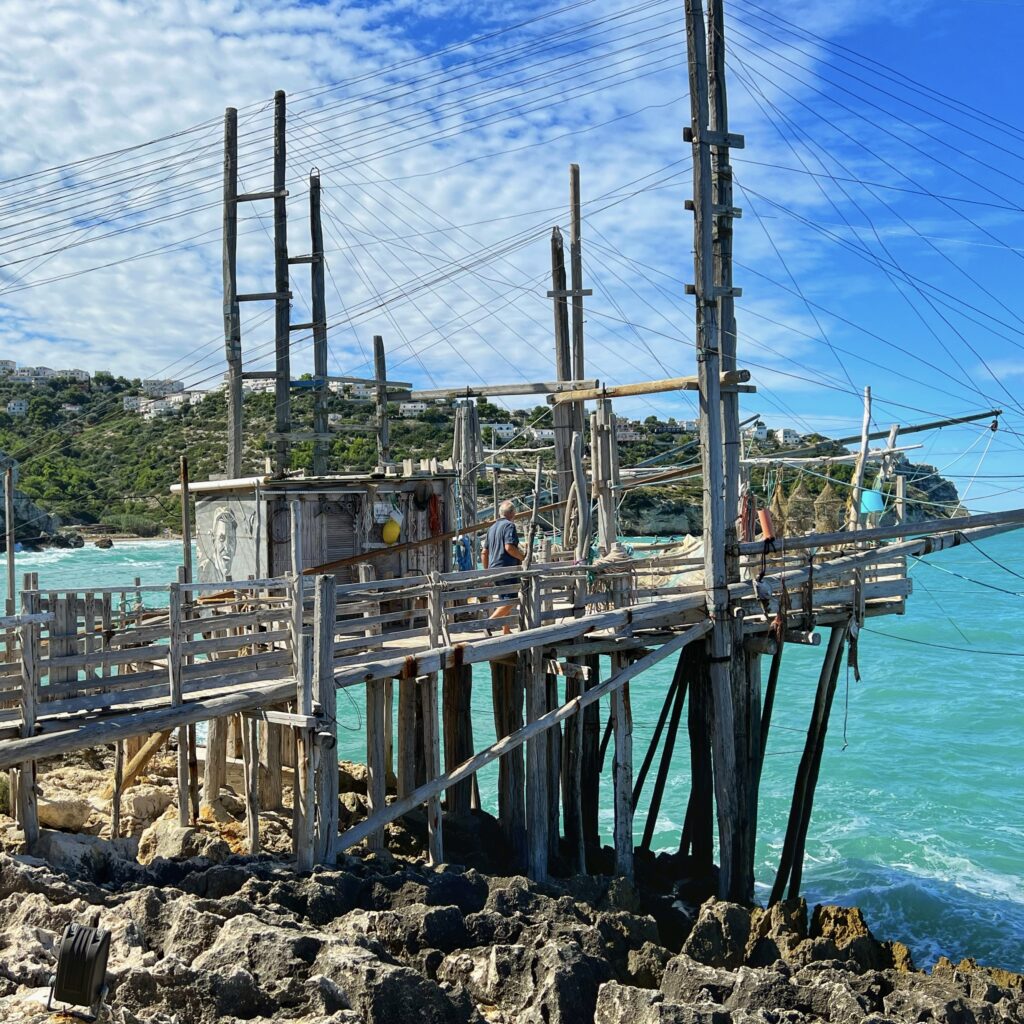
(623, 1004)
(720, 935)
(384, 993)
(145, 803)
(552, 984)
(776, 932)
(166, 838)
(646, 965)
(686, 980)
(846, 928)
(61, 809)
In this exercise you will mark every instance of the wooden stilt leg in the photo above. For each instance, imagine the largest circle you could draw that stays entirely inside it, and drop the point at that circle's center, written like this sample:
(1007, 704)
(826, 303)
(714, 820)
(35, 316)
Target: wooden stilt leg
(406, 735)
(376, 762)
(590, 771)
(678, 692)
(507, 698)
(698, 829)
(554, 763)
(572, 762)
(115, 800)
(215, 771)
(250, 764)
(458, 733)
(432, 748)
(799, 812)
(622, 779)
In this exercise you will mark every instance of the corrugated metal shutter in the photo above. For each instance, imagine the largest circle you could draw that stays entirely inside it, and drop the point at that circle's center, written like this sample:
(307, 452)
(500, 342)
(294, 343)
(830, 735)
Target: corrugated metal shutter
(339, 535)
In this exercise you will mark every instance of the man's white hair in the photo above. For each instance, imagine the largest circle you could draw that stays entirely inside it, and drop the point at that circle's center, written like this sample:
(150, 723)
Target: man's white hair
(505, 507)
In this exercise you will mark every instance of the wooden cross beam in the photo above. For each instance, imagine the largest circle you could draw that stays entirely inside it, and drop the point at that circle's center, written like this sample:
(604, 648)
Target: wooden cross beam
(729, 378)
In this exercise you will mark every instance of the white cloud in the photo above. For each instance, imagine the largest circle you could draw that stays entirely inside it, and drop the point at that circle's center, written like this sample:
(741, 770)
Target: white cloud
(428, 171)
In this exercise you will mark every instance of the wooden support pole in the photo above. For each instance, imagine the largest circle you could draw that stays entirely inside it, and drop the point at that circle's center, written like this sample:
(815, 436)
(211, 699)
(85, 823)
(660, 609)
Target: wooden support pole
(174, 669)
(304, 836)
(376, 783)
(572, 777)
(9, 533)
(321, 446)
(622, 773)
(723, 212)
(673, 706)
(564, 417)
(769, 696)
(554, 761)
(325, 697)
(137, 764)
(727, 776)
(857, 485)
(576, 264)
(431, 726)
(232, 320)
(530, 671)
(250, 768)
(807, 772)
(406, 734)
(698, 827)
(282, 301)
(115, 797)
(28, 638)
(215, 768)
(507, 701)
(380, 371)
(901, 498)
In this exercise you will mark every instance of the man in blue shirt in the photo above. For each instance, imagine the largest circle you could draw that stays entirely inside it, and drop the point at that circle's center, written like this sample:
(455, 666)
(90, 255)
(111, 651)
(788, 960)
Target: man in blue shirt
(501, 548)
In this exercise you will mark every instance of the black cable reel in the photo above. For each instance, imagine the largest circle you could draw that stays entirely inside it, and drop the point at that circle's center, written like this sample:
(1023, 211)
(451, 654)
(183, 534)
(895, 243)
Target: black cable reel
(81, 978)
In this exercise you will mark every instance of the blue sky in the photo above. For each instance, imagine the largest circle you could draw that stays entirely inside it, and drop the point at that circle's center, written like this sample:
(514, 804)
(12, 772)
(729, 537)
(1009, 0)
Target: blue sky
(880, 243)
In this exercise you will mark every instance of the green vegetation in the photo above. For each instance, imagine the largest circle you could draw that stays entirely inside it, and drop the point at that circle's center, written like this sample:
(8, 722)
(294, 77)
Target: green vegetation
(95, 463)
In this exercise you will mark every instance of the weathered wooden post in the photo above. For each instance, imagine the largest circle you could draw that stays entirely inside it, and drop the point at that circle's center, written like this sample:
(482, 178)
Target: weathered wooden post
(282, 296)
(380, 372)
(28, 635)
(232, 319)
(174, 666)
(9, 531)
(321, 393)
(324, 695)
(431, 724)
(857, 485)
(530, 670)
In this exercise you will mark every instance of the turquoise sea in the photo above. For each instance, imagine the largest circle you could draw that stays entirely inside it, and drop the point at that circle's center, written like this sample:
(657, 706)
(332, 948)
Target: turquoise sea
(918, 816)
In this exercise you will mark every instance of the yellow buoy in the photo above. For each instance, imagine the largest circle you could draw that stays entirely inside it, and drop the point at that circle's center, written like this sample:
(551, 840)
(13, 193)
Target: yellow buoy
(390, 531)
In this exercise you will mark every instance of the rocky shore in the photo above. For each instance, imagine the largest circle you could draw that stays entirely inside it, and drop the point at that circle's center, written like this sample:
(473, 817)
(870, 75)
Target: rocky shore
(201, 933)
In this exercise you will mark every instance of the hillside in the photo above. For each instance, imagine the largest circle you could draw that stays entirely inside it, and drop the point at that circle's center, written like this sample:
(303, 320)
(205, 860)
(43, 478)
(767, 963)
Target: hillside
(85, 459)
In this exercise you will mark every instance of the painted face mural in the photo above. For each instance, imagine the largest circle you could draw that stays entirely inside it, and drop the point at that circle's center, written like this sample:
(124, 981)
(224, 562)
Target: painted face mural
(225, 541)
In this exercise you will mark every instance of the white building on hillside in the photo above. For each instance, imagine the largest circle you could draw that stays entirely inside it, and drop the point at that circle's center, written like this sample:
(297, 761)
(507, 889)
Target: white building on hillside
(756, 432)
(17, 407)
(7, 366)
(412, 409)
(786, 435)
(162, 388)
(131, 403)
(542, 433)
(498, 431)
(82, 376)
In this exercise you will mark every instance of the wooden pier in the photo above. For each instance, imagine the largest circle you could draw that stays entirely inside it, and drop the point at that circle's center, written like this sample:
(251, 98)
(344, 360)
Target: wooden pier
(313, 584)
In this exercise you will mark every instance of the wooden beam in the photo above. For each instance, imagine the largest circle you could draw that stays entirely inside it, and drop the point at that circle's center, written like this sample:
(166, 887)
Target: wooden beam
(647, 387)
(551, 387)
(1009, 518)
